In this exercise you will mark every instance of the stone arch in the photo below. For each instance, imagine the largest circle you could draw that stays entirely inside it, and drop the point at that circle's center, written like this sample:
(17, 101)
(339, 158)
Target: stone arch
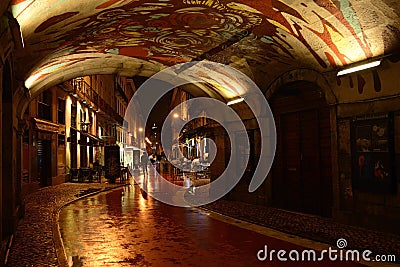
(303, 104)
(303, 75)
(21, 102)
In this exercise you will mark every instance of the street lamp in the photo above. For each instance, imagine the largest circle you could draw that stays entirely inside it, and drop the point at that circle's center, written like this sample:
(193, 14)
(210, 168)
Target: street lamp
(85, 126)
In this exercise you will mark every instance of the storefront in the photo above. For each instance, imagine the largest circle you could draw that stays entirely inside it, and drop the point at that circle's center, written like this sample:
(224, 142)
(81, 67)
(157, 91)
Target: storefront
(45, 151)
(132, 157)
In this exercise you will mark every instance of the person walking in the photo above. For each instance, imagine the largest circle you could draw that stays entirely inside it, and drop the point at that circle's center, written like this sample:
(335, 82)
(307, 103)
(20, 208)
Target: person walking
(144, 161)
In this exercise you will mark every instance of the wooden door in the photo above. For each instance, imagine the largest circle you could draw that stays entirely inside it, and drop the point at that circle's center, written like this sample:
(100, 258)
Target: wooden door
(300, 150)
(291, 166)
(302, 167)
(44, 161)
(310, 162)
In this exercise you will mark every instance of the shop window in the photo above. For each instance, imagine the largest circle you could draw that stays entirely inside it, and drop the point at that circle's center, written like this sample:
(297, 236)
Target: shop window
(373, 158)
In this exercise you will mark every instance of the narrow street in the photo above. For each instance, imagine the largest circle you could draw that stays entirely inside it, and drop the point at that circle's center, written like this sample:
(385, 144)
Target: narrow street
(123, 227)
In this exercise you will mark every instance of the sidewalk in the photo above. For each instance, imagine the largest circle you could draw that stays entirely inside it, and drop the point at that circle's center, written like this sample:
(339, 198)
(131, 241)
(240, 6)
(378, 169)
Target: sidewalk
(34, 243)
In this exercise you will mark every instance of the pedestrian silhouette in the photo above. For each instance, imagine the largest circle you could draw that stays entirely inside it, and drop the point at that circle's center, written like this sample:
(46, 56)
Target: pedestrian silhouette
(144, 161)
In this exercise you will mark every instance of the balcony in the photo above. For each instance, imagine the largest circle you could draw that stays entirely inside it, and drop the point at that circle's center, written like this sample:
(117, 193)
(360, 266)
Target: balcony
(121, 92)
(83, 90)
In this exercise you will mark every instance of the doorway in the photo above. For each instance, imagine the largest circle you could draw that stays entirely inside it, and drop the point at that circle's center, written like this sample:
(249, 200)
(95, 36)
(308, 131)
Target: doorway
(44, 162)
(302, 179)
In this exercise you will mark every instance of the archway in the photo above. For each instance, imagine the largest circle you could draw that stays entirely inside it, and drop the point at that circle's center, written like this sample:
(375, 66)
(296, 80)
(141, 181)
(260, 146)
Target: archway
(302, 171)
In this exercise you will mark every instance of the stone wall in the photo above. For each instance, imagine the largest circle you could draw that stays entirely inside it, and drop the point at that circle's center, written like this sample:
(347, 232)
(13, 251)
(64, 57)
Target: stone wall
(363, 99)
(363, 95)
(10, 201)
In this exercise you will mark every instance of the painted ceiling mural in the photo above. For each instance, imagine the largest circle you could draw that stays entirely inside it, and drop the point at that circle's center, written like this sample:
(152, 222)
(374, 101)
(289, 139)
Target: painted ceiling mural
(322, 34)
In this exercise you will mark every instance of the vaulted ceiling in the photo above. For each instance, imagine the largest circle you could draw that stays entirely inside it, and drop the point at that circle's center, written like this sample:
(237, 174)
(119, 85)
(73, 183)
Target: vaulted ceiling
(68, 38)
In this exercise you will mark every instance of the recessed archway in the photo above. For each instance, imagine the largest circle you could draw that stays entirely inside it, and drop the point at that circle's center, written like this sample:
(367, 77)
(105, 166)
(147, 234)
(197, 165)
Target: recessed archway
(302, 171)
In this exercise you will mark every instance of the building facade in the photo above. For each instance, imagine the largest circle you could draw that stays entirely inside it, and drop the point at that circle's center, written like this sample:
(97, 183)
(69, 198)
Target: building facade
(68, 126)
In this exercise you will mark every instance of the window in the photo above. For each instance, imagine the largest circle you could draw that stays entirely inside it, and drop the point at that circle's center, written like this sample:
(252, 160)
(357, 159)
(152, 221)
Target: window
(61, 111)
(90, 122)
(44, 106)
(73, 116)
(82, 114)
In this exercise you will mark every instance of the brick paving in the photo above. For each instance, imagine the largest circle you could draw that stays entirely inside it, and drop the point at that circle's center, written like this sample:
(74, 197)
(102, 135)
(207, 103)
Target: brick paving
(34, 243)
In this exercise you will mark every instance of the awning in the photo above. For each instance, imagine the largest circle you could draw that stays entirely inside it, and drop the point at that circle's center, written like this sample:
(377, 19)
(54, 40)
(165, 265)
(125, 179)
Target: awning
(93, 140)
(46, 126)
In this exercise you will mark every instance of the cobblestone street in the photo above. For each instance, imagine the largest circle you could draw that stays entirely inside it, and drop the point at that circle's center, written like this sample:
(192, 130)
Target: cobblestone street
(37, 243)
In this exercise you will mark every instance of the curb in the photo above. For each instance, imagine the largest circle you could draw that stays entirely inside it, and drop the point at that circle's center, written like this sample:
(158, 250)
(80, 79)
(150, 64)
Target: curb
(57, 240)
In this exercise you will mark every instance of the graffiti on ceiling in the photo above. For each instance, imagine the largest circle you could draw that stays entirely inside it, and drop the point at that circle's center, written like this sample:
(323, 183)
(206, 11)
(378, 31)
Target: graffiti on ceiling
(321, 34)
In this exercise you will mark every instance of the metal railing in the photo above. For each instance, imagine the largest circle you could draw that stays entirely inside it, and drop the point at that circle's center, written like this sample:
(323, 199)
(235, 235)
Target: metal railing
(84, 91)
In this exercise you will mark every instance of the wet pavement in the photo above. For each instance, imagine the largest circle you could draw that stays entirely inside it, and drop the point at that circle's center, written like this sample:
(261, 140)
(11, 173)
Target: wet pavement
(33, 243)
(124, 227)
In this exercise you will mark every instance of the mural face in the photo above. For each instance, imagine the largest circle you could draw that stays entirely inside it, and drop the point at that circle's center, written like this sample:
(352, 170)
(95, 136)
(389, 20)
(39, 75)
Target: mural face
(281, 34)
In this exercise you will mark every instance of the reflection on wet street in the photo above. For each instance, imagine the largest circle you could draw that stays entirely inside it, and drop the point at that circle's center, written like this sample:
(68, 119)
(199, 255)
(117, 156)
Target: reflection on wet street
(122, 228)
